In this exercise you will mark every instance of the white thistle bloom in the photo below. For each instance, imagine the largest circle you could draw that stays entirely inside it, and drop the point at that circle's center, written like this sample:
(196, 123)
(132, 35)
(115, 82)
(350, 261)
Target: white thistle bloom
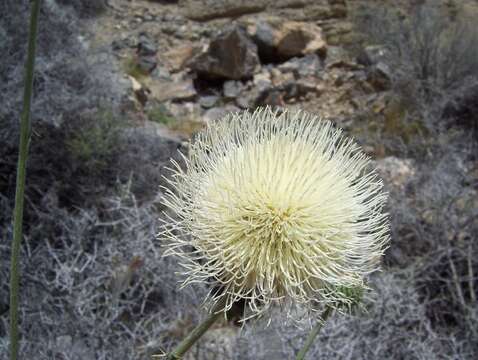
(276, 206)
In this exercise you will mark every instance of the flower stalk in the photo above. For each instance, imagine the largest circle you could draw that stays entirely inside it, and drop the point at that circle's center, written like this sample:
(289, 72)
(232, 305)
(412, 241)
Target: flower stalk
(313, 334)
(20, 184)
(198, 331)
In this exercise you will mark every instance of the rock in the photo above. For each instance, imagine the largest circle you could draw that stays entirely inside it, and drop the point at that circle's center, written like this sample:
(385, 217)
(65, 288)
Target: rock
(346, 65)
(146, 54)
(162, 73)
(372, 55)
(256, 97)
(172, 90)
(147, 64)
(395, 172)
(243, 102)
(289, 4)
(338, 33)
(145, 45)
(262, 81)
(301, 67)
(281, 79)
(307, 85)
(231, 55)
(335, 54)
(178, 58)
(218, 113)
(272, 98)
(298, 38)
(231, 88)
(279, 40)
(208, 101)
(139, 91)
(186, 111)
(263, 34)
(319, 12)
(380, 77)
(123, 43)
(203, 10)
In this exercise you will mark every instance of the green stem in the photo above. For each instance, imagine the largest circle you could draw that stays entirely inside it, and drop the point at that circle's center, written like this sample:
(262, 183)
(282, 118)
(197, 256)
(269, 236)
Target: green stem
(21, 175)
(313, 334)
(198, 331)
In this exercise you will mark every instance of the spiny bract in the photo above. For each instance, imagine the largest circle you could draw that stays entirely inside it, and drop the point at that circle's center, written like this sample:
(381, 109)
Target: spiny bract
(276, 207)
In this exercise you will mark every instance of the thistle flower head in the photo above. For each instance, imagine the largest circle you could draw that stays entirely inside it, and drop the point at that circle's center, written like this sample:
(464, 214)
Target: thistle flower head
(276, 206)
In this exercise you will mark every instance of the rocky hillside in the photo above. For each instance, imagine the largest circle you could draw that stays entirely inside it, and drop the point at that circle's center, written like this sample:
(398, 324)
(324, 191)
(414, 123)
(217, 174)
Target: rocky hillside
(122, 84)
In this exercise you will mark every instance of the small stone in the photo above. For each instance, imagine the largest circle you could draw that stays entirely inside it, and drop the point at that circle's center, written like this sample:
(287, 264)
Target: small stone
(147, 64)
(138, 90)
(146, 53)
(146, 46)
(243, 102)
(307, 85)
(172, 90)
(232, 88)
(272, 98)
(219, 113)
(280, 79)
(380, 77)
(304, 66)
(262, 81)
(208, 101)
(372, 55)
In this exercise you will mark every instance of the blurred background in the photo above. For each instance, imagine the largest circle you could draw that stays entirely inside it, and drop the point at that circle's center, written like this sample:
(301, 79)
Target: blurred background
(122, 85)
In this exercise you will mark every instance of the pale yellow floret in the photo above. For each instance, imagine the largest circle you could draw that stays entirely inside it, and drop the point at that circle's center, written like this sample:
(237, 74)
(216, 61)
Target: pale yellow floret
(276, 207)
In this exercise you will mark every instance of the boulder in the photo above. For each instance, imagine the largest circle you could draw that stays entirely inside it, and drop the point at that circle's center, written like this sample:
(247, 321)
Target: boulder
(278, 40)
(204, 10)
(231, 55)
(299, 38)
